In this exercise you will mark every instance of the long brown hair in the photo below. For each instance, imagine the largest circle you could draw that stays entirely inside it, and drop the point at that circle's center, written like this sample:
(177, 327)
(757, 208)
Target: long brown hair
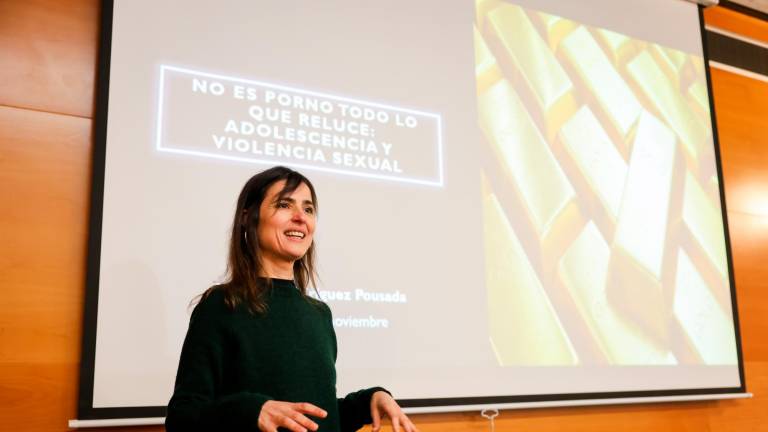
(243, 283)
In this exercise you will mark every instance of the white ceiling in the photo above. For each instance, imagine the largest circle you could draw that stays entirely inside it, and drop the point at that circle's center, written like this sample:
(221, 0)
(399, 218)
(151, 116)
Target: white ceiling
(761, 5)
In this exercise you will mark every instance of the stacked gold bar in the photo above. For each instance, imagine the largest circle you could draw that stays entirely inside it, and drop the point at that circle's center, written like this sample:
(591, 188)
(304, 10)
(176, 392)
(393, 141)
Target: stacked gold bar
(524, 327)
(712, 186)
(614, 99)
(487, 71)
(642, 239)
(706, 325)
(526, 59)
(618, 47)
(596, 166)
(667, 101)
(553, 27)
(548, 213)
(674, 64)
(698, 98)
(601, 196)
(583, 271)
(482, 7)
(703, 238)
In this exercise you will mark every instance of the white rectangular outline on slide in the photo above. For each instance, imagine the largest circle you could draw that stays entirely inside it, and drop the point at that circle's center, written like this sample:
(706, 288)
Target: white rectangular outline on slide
(160, 115)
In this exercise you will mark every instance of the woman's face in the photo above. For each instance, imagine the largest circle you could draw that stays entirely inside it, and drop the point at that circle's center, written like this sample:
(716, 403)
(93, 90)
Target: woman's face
(286, 225)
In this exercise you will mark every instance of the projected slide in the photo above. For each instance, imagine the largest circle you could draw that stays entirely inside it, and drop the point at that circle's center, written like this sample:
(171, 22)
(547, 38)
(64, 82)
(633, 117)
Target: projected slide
(246, 120)
(515, 198)
(601, 204)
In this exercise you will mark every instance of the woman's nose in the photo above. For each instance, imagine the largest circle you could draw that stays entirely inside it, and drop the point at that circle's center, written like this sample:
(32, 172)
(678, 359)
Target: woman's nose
(299, 215)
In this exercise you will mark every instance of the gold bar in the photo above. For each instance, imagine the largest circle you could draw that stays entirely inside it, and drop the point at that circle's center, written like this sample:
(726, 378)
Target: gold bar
(582, 272)
(707, 326)
(704, 237)
(590, 157)
(713, 190)
(524, 326)
(613, 96)
(618, 47)
(703, 218)
(670, 103)
(640, 265)
(487, 71)
(698, 67)
(553, 27)
(673, 63)
(698, 97)
(482, 7)
(544, 200)
(525, 57)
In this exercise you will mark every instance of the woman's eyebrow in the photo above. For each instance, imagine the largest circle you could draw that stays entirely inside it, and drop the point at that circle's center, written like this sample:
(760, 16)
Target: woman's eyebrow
(291, 200)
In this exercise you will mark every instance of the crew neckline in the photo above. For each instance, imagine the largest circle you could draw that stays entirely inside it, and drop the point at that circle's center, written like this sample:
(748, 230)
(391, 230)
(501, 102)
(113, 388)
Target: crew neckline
(283, 286)
(285, 282)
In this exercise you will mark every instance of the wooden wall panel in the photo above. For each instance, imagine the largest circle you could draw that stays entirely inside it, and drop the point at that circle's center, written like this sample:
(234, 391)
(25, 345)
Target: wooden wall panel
(45, 173)
(741, 105)
(742, 108)
(736, 22)
(47, 63)
(747, 414)
(37, 397)
(749, 243)
(48, 55)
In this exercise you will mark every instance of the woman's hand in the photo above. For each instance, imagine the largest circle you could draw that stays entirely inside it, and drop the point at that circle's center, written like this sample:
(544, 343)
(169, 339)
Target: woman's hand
(383, 404)
(275, 414)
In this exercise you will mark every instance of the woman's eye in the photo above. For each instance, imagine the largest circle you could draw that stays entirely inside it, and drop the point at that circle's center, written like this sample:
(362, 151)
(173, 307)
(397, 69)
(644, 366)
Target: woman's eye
(282, 204)
(310, 210)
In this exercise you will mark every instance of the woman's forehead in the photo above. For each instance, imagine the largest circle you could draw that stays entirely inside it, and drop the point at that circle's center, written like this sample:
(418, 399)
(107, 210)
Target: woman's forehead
(302, 192)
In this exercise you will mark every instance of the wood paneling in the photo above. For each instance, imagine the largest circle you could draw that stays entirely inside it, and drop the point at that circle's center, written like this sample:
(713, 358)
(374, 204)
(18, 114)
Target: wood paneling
(742, 121)
(746, 414)
(48, 54)
(741, 105)
(749, 246)
(45, 174)
(37, 397)
(736, 22)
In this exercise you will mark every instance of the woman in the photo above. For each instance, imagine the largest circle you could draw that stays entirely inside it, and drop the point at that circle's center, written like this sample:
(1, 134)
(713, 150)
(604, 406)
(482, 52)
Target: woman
(259, 353)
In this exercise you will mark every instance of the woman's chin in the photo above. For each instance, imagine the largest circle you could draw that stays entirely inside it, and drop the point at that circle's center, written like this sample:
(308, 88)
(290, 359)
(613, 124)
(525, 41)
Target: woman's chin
(295, 255)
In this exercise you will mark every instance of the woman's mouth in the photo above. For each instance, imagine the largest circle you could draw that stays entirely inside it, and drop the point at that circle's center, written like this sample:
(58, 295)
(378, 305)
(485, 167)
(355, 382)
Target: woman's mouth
(295, 234)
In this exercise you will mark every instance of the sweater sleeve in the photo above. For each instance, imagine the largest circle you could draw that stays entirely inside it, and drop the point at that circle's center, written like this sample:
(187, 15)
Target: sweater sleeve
(197, 403)
(355, 409)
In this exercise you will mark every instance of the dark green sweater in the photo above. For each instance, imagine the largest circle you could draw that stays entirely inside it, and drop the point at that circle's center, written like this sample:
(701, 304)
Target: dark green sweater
(233, 361)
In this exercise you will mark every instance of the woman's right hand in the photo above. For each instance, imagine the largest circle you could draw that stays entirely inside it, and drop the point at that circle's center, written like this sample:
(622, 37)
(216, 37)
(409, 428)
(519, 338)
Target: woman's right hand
(289, 415)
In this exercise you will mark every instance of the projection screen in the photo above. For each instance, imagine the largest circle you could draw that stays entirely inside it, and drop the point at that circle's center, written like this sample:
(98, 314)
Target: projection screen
(518, 200)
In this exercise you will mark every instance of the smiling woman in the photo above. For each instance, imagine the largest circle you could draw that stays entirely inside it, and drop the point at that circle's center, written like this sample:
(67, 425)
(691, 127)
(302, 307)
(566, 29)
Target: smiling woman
(259, 352)
(259, 246)
(286, 228)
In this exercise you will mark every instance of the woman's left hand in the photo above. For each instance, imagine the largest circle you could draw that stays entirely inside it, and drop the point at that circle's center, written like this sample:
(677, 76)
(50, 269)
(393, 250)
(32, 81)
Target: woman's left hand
(382, 404)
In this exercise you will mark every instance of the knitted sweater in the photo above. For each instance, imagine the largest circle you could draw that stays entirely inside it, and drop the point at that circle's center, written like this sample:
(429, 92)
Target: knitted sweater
(233, 361)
